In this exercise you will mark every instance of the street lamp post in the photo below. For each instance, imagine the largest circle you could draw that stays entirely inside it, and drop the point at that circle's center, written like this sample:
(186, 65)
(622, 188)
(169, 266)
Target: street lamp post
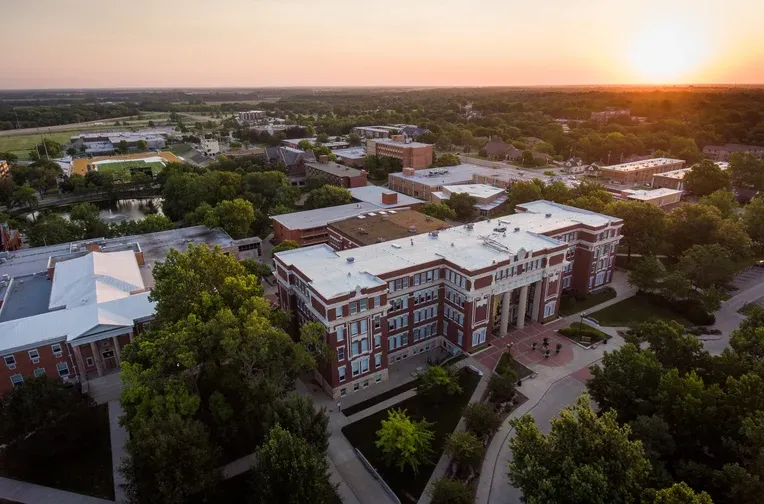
(580, 325)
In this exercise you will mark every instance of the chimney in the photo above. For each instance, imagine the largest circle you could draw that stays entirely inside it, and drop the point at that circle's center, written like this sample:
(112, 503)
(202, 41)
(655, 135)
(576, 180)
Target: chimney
(389, 198)
(93, 247)
(323, 158)
(409, 171)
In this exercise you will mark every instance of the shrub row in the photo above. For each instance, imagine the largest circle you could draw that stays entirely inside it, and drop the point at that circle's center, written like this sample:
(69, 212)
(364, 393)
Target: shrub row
(585, 330)
(691, 309)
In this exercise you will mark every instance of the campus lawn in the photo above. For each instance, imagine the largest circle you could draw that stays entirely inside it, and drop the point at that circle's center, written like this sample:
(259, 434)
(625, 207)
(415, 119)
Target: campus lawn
(569, 305)
(180, 149)
(368, 403)
(632, 311)
(407, 485)
(20, 145)
(74, 456)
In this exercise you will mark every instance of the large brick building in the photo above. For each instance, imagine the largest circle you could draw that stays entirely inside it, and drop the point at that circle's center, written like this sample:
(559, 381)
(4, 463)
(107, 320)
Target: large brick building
(414, 155)
(640, 172)
(335, 174)
(68, 310)
(723, 152)
(455, 288)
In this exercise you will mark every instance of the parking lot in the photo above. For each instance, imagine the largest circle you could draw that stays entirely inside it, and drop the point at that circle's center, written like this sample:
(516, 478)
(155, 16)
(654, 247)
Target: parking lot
(748, 278)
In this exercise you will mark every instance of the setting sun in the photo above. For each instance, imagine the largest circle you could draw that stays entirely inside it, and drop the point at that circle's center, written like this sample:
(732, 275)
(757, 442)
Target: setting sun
(666, 53)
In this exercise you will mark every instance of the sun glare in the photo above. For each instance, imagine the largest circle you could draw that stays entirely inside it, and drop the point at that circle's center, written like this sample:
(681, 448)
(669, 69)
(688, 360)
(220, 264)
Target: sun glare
(666, 53)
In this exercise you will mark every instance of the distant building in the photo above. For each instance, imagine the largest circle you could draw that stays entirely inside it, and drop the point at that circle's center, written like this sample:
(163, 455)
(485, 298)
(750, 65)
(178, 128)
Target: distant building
(723, 152)
(105, 143)
(490, 200)
(331, 144)
(384, 198)
(293, 159)
(69, 310)
(376, 227)
(354, 156)
(210, 146)
(609, 114)
(335, 174)
(500, 149)
(371, 131)
(640, 172)
(661, 197)
(309, 227)
(409, 130)
(240, 153)
(675, 179)
(412, 154)
(253, 116)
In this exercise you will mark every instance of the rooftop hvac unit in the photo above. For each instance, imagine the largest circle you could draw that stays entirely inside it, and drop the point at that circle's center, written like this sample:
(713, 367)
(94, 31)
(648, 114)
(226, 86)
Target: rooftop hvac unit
(517, 229)
(500, 229)
(350, 259)
(433, 234)
(412, 229)
(470, 226)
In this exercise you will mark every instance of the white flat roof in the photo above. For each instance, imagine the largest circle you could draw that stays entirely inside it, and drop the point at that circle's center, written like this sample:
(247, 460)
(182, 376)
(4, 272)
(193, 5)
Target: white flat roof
(388, 141)
(309, 219)
(332, 274)
(648, 194)
(354, 153)
(373, 194)
(641, 165)
(476, 190)
(674, 174)
(464, 173)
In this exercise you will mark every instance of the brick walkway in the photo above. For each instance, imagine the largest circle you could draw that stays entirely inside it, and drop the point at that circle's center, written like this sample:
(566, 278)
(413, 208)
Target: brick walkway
(522, 341)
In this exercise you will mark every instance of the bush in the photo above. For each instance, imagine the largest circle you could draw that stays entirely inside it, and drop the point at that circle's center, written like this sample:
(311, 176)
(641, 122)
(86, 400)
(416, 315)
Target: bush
(501, 388)
(450, 491)
(481, 419)
(577, 330)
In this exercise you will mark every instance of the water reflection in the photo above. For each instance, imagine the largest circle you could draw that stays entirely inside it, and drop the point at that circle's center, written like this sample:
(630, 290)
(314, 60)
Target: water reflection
(118, 211)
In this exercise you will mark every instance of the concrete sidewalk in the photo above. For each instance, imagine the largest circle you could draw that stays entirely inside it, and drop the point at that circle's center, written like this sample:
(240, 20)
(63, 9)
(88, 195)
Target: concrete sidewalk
(118, 439)
(28, 493)
(359, 485)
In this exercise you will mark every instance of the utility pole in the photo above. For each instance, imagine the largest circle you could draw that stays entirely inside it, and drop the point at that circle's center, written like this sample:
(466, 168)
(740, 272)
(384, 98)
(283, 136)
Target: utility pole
(43, 144)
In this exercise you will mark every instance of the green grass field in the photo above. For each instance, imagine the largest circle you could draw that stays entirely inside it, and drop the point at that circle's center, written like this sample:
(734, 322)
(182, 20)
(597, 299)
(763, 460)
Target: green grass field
(22, 144)
(121, 169)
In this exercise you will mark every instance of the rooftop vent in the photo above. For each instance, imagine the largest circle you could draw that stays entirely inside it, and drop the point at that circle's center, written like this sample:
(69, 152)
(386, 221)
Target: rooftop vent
(548, 215)
(470, 226)
(500, 229)
(395, 245)
(517, 229)
(350, 259)
(433, 234)
(412, 229)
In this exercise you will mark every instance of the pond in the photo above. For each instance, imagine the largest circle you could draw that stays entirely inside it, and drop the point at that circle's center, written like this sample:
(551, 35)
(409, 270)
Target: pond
(117, 211)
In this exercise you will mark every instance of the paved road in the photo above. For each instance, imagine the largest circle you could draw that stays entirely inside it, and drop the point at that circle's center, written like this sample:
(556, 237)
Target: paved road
(560, 395)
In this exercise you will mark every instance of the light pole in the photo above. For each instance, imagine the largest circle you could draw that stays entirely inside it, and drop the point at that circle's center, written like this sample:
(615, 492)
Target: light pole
(581, 324)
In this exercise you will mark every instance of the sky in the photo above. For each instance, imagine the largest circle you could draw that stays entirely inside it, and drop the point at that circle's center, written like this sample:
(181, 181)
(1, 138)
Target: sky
(252, 43)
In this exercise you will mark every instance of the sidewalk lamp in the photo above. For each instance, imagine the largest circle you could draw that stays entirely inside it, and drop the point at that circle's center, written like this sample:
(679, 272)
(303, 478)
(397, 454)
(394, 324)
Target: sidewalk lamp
(581, 325)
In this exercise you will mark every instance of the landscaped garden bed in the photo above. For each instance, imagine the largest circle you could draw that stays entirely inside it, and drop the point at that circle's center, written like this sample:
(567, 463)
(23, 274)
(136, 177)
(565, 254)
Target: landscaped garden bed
(73, 455)
(507, 363)
(583, 334)
(384, 396)
(445, 416)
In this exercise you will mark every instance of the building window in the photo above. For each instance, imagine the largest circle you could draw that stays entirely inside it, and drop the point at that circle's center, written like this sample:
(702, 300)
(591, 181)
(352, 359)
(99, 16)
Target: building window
(356, 368)
(338, 312)
(340, 333)
(353, 329)
(363, 305)
(364, 326)
(460, 338)
(478, 337)
(549, 309)
(356, 386)
(341, 354)
(34, 355)
(10, 361)
(39, 372)
(343, 392)
(341, 373)
(377, 322)
(365, 365)
(56, 349)
(353, 308)
(377, 302)
(377, 340)
(89, 361)
(354, 349)
(378, 378)
(366, 384)
(378, 360)
(63, 369)
(17, 380)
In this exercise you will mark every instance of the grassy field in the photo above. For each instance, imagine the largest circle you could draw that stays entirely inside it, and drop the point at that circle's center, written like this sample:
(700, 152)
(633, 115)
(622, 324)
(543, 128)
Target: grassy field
(407, 485)
(569, 305)
(121, 170)
(632, 311)
(21, 145)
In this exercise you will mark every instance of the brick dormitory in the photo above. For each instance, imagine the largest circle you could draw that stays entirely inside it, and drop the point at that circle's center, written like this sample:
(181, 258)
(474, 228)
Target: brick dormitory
(454, 288)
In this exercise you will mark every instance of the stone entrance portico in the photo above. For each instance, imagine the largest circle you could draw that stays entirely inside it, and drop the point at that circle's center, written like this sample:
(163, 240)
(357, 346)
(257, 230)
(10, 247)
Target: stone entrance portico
(96, 357)
(519, 311)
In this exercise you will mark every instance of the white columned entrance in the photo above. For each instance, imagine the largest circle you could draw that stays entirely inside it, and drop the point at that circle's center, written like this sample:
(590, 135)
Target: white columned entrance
(536, 301)
(96, 358)
(118, 356)
(522, 306)
(80, 364)
(504, 328)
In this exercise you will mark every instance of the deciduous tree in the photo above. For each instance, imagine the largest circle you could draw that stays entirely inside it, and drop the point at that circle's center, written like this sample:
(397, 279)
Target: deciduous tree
(439, 211)
(450, 491)
(705, 178)
(405, 442)
(438, 382)
(328, 196)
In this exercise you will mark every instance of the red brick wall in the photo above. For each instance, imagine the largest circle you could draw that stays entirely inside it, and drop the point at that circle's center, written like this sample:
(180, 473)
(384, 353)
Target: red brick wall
(25, 367)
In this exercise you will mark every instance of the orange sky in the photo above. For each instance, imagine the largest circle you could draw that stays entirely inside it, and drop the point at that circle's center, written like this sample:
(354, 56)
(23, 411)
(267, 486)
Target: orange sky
(175, 43)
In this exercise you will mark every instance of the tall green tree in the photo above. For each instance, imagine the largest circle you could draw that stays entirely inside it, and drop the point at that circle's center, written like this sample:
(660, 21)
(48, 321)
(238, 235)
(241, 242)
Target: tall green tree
(747, 170)
(285, 245)
(523, 192)
(723, 200)
(753, 218)
(467, 451)
(446, 160)
(439, 211)
(647, 273)
(438, 382)
(584, 459)
(706, 265)
(644, 225)
(291, 471)
(705, 178)
(404, 442)
(463, 205)
(328, 196)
